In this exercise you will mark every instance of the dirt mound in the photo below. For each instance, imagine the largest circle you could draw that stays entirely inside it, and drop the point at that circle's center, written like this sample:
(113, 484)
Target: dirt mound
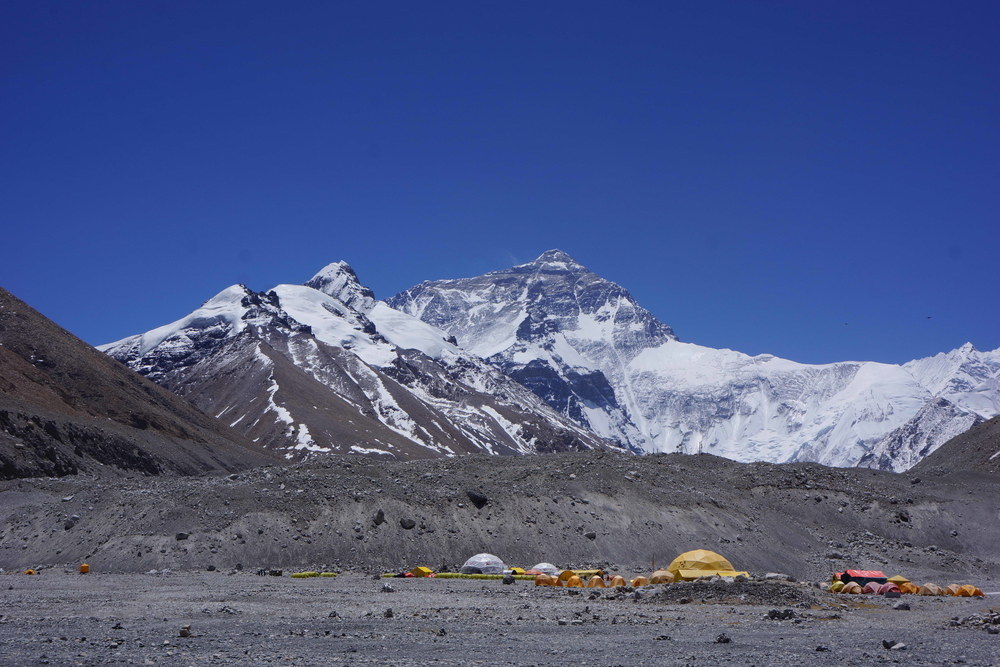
(765, 593)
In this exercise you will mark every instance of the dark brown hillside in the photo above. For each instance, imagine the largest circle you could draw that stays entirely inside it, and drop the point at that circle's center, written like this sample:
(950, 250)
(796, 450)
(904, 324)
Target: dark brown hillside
(976, 450)
(67, 408)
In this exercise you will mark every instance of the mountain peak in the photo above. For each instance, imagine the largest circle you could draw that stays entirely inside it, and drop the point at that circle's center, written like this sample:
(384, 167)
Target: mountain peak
(556, 259)
(341, 282)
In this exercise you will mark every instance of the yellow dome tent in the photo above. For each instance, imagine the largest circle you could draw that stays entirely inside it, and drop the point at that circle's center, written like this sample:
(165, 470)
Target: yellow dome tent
(701, 563)
(596, 582)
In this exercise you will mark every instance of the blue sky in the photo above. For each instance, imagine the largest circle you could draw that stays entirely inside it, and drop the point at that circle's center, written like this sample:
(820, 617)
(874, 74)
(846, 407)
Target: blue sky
(817, 180)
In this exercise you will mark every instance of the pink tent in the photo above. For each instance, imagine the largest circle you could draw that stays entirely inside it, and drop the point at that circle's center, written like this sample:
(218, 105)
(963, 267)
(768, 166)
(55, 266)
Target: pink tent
(871, 588)
(888, 588)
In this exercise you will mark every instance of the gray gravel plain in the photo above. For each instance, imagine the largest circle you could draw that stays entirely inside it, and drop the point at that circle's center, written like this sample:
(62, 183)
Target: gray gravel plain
(66, 618)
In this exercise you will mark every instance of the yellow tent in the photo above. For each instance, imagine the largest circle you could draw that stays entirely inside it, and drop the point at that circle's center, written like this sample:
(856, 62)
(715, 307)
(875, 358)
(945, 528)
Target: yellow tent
(909, 588)
(640, 581)
(596, 582)
(517, 570)
(952, 589)
(661, 577)
(565, 575)
(701, 563)
(618, 580)
(574, 582)
(836, 586)
(421, 571)
(898, 579)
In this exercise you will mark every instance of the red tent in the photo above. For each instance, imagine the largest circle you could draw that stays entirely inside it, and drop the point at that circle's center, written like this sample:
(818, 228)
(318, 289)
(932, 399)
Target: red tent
(871, 588)
(888, 588)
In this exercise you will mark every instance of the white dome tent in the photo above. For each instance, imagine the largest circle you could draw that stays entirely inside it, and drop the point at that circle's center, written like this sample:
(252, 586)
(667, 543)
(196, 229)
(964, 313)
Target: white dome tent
(483, 564)
(546, 568)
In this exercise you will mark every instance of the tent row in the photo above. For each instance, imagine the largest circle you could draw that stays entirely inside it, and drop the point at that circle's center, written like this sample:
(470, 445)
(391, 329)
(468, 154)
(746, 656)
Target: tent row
(906, 588)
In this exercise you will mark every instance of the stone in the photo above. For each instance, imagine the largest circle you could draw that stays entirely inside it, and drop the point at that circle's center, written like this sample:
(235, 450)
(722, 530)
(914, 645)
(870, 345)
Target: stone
(407, 524)
(591, 535)
(723, 639)
(181, 536)
(508, 579)
(901, 606)
(379, 518)
(478, 498)
(387, 588)
(388, 613)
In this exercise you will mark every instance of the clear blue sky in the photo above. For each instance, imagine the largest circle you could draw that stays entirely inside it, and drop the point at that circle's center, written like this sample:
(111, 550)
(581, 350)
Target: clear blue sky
(811, 179)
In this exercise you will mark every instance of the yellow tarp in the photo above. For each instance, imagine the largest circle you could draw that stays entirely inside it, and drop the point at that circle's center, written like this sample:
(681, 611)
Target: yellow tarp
(421, 571)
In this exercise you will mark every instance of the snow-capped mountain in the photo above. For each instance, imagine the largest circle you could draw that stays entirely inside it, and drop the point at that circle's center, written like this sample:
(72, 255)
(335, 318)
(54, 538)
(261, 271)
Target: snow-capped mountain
(325, 367)
(595, 355)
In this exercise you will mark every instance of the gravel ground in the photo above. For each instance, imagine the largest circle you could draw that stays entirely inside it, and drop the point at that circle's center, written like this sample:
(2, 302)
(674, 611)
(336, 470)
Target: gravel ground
(65, 618)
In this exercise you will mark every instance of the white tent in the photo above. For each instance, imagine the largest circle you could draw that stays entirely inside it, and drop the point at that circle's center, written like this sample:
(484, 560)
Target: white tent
(547, 568)
(483, 564)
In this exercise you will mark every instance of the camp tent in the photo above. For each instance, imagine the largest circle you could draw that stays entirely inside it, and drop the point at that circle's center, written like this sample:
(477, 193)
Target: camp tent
(661, 577)
(544, 580)
(701, 563)
(898, 579)
(931, 589)
(483, 564)
(565, 576)
(618, 580)
(640, 581)
(574, 582)
(836, 586)
(908, 588)
(544, 568)
(851, 587)
(871, 588)
(969, 591)
(862, 577)
(952, 589)
(888, 587)
(596, 582)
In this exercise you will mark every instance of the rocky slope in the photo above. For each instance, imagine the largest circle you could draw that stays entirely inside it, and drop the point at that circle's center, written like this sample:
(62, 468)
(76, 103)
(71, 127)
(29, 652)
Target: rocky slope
(66, 408)
(594, 354)
(591, 507)
(976, 451)
(323, 367)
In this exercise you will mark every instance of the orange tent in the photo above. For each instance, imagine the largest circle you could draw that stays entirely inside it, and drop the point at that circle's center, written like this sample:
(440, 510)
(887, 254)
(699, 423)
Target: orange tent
(952, 589)
(574, 582)
(909, 588)
(640, 581)
(596, 582)
(969, 591)
(931, 589)
(618, 580)
(544, 580)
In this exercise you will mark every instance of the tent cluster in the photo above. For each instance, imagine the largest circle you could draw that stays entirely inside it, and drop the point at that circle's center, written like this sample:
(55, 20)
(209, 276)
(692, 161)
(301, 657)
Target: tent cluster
(876, 583)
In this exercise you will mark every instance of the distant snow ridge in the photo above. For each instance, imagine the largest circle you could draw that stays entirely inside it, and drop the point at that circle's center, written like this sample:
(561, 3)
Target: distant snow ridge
(585, 346)
(325, 367)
